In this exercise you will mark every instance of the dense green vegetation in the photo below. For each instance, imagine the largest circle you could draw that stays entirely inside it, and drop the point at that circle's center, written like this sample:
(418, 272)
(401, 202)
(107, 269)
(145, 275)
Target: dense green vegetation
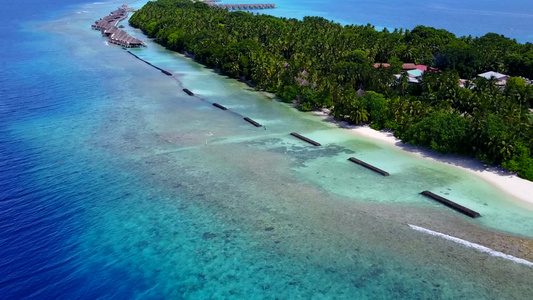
(320, 63)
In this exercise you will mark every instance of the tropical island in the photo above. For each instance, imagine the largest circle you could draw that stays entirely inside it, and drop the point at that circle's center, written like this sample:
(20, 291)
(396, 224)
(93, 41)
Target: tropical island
(428, 86)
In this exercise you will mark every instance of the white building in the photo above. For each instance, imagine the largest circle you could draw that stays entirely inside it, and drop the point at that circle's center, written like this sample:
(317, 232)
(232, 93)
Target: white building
(501, 79)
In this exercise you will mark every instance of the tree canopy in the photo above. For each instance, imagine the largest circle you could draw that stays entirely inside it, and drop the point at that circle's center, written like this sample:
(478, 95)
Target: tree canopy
(320, 63)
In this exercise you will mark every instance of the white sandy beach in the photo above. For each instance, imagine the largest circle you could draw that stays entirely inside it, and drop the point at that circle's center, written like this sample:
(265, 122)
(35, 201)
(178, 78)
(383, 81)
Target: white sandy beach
(506, 181)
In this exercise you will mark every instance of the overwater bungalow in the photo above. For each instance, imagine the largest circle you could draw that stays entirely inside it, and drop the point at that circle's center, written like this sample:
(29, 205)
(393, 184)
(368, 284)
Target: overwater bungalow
(121, 37)
(243, 6)
(109, 31)
(108, 26)
(127, 8)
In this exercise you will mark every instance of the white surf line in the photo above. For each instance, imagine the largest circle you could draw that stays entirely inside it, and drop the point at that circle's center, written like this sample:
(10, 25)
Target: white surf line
(478, 247)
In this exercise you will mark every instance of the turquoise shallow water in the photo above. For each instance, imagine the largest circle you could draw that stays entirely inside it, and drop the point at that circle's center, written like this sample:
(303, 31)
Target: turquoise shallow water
(116, 184)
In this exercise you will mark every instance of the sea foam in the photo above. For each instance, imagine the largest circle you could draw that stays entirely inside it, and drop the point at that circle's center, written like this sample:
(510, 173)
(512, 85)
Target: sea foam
(478, 247)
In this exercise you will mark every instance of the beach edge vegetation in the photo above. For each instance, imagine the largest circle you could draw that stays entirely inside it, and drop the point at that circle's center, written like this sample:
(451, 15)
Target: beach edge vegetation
(317, 63)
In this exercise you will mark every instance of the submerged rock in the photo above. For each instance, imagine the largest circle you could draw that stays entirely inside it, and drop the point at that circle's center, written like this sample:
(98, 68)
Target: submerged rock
(209, 235)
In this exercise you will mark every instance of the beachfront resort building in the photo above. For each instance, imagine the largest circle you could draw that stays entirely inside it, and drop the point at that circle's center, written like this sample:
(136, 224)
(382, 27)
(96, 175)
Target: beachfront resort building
(414, 72)
(501, 79)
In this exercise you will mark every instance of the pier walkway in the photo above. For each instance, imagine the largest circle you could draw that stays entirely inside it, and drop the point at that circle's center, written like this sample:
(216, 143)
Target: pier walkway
(242, 6)
(108, 26)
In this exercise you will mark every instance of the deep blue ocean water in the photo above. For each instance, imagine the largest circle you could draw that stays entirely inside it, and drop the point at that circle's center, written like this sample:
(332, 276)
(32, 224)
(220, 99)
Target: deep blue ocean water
(114, 184)
(41, 202)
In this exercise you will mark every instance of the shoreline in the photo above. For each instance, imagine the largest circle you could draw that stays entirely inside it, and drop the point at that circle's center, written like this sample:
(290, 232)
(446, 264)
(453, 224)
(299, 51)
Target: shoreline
(505, 181)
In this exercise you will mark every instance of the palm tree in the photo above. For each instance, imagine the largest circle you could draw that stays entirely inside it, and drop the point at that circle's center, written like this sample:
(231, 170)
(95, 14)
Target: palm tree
(359, 115)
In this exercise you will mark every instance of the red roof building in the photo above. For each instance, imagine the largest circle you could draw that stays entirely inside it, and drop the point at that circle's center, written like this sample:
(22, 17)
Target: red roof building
(425, 68)
(408, 66)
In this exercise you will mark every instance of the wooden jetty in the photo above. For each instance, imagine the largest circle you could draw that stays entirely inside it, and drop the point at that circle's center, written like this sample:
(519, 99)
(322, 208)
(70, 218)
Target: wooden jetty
(452, 204)
(220, 106)
(242, 6)
(303, 138)
(188, 92)
(368, 166)
(252, 122)
(108, 26)
(127, 8)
